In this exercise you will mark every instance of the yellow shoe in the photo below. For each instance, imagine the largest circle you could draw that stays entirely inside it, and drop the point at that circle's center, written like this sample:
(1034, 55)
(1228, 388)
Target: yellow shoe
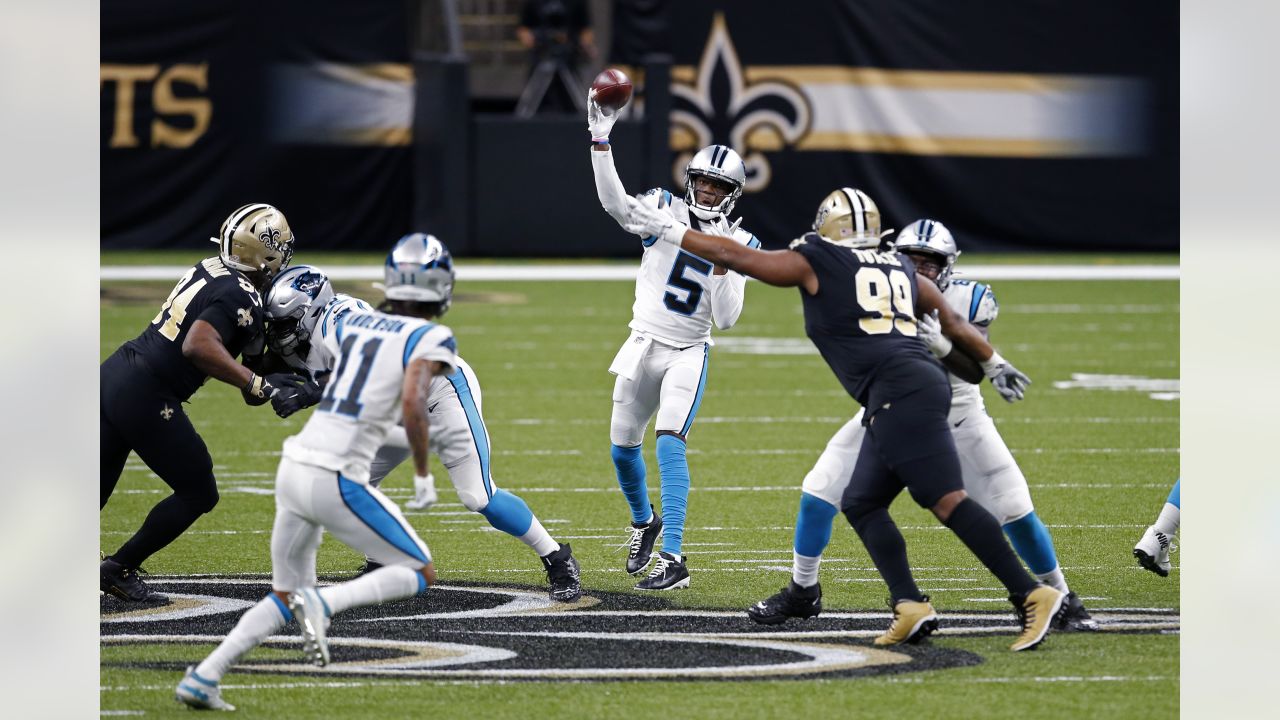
(912, 622)
(1036, 613)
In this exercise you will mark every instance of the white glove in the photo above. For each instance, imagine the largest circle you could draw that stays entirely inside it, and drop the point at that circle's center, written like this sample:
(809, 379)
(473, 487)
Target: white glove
(930, 331)
(424, 492)
(720, 226)
(599, 120)
(1007, 379)
(646, 222)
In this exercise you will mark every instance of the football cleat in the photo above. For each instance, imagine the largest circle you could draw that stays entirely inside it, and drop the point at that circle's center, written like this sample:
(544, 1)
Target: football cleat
(1074, 618)
(1037, 612)
(640, 545)
(313, 619)
(122, 582)
(369, 566)
(424, 493)
(912, 622)
(562, 574)
(791, 601)
(1152, 551)
(668, 573)
(194, 691)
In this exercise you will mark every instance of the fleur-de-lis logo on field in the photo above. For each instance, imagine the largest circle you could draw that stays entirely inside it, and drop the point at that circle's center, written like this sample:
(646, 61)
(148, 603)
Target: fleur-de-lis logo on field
(721, 107)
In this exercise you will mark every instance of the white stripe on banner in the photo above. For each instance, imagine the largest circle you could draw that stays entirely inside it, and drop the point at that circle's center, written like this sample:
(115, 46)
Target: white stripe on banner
(618, 271)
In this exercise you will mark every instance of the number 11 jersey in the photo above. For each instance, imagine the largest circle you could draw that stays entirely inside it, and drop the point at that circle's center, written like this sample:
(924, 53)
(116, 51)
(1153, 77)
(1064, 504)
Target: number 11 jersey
(370, 352)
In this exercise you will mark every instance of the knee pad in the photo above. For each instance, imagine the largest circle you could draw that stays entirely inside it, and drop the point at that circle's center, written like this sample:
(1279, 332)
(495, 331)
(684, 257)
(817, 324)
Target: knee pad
(473, 500)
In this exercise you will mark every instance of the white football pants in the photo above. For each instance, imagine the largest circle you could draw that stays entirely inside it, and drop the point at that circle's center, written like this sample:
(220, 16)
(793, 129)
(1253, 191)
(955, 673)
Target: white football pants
(311, 499)
(991, 476)
(668, 379)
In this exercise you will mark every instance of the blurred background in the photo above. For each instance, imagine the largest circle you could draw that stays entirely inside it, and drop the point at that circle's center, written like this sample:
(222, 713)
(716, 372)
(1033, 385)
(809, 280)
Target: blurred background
(1022, 125)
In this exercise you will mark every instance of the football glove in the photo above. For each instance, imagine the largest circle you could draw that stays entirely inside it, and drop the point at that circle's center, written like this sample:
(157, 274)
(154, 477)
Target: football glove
(599, 120)
(648, 222)
(1007, 379)
(930, 331)
(294, 393)
(720, 226)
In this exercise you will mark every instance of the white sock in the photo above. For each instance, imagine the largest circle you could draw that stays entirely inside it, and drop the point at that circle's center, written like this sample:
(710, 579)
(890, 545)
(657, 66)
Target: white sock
(1054, 579)
(256, 625)
(804, 569)
(1169, 519)
(382, 585)
(539, 539)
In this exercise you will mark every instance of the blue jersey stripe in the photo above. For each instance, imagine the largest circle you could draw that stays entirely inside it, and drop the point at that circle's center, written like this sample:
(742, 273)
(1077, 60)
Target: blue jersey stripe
(365, 506)
(412, 342)
(978, 291)
(479, 435)
(754, 242)
(697, 398)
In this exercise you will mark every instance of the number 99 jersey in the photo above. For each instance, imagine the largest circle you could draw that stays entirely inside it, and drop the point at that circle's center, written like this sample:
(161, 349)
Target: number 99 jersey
(369, 352)
(863, 315)
(673, 287)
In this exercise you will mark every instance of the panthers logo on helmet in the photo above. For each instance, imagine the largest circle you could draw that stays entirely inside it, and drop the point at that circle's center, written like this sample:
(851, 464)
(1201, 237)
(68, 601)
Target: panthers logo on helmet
(309, 283)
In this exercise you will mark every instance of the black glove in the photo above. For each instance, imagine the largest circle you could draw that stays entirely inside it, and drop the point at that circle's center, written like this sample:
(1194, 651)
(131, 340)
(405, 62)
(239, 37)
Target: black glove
(293, 394)
(262, 388)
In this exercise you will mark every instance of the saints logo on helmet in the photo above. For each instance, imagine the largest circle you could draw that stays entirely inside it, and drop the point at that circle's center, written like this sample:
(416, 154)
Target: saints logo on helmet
(849, 217)
(419, 268)
(297, 299)
(930, 237)
(256, 240)
(723, 167)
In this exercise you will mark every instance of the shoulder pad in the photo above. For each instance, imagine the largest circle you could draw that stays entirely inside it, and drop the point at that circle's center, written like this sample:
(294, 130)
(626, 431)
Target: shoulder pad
(987, 307)
(975, 301)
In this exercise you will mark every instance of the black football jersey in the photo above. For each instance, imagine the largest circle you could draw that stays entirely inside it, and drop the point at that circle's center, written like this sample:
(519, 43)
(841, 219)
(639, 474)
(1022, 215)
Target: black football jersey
(215, 293)
(863, 317)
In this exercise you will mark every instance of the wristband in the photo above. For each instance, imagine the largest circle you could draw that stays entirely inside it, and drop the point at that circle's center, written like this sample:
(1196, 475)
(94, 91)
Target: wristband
(600, 141)
(674, 233)
(254, 386)
(991, 366)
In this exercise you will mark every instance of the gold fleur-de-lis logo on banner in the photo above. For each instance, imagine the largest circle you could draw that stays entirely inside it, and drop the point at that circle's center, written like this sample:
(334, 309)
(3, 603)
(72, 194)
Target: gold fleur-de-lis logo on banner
(722, 107)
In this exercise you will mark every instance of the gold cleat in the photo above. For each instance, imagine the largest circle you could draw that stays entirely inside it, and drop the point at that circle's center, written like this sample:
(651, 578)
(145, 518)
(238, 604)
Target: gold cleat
(1036, 613)
(912, 622)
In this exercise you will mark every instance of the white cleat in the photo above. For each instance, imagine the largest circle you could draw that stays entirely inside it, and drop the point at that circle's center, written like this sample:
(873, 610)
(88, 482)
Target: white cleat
(194, 691)
(1152, 551)
(309, 610)
(424, 493)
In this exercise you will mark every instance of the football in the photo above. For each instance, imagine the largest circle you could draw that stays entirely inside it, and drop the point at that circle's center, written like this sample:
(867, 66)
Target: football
(612, 89)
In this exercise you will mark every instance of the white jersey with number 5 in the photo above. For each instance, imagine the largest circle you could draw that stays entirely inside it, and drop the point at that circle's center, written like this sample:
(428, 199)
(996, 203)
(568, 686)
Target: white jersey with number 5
(369, 352)
(675, 288)
(976, 303)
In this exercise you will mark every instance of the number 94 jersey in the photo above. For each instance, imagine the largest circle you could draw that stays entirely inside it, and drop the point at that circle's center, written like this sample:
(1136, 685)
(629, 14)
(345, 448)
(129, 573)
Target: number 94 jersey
(674, 287)
(369, 353)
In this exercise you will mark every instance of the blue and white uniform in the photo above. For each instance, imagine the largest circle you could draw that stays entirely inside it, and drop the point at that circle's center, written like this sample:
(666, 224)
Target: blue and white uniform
(323, 478)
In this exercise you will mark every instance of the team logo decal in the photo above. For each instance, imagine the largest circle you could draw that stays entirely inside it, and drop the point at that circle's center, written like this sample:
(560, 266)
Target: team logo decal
(722, 107)
(167, 412)
(244, 317)
(503, 634)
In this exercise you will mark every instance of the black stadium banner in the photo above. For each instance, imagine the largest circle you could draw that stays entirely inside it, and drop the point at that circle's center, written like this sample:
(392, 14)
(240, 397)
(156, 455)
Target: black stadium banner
(1021, 125)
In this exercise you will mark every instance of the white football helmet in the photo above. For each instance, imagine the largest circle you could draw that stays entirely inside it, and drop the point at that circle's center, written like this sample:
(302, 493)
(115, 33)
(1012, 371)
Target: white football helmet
(933, 238)
(256, 239)
(420, 268)
(722, 164)
(294, 304)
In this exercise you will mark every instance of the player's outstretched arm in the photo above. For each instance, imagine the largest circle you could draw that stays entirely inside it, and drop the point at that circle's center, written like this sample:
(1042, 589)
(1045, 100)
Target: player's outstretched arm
(1008, 380)
(782, 268)
(957, 361)
(609, 187)
(413, 398)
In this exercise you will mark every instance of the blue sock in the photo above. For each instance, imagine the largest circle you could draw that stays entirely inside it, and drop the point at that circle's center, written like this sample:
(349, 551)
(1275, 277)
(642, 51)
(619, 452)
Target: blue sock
(674, 470)
(1175, 495)
(508, 513)
(628, 462)
(813, 525)
(1030, 539)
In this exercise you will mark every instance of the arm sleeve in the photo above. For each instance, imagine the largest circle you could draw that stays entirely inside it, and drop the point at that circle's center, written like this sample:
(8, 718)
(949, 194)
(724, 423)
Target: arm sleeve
(727, 292)
(613, 196)
(225, 314)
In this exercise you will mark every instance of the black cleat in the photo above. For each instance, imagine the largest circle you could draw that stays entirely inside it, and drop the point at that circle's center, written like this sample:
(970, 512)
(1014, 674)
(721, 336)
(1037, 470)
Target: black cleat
(562, 574)
(640, 545)
(791, 601)
(668, 573)
(124, 583)
(368, 567)
(1073, 617)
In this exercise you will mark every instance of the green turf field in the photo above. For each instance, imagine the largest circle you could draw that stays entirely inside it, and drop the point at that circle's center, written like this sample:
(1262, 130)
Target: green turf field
(1099, 461)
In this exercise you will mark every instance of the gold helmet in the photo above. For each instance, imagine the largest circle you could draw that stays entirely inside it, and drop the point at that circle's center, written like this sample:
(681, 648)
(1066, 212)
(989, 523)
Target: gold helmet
(849, 217)
(256, 239)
